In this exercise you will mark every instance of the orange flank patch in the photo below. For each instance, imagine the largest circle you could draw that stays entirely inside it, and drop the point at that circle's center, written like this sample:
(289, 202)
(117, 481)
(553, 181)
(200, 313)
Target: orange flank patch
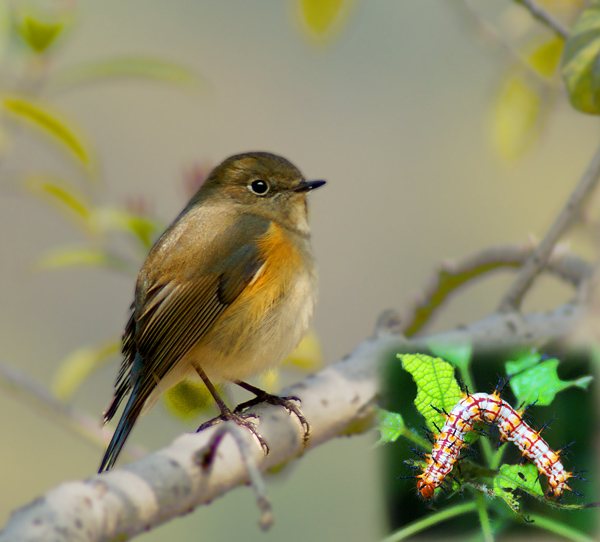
(272, 281)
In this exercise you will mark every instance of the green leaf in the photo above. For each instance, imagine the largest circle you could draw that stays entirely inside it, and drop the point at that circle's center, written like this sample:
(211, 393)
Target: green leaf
(63, 196)
(533, 379)
(511, 477)
(128, 67)
(323, 18)
(78, 366)
(581, 61)
(39, 35)
(145, 229)
(36, 114)
(436, 386)
(391, 426)
(81, 257)
(188, 399)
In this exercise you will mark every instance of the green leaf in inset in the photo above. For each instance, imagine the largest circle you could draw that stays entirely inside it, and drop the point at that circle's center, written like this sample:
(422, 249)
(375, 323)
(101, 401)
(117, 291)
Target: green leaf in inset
(436, 386)
(144, 228)
(187, 399)
(457, 354)
(536, 380)
(68, 199)
(36, 114)
(39, 35)
(581, 61)
(73, 370)
(511, 477)
(81, 257)
(128, 67)
(391, 426)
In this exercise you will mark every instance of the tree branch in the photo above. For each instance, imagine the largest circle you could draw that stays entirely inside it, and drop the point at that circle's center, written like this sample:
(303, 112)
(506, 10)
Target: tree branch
(337, 401)
(452, 275)
(545, 17)
(539, 258)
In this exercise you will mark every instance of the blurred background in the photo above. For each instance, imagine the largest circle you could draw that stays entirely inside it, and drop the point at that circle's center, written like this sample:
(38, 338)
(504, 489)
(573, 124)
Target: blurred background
(395, 103)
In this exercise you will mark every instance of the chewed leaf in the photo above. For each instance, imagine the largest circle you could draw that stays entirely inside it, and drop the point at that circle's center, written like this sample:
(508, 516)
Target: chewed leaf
(79, 365)
(40, 116)
(127, 67)
(391, 426)
(536, 380)
(67, 198)
(457, 354)
(513, 477)
(187, 399)
(323, 18)
(436, 386)
(580, 61)
(81, 257)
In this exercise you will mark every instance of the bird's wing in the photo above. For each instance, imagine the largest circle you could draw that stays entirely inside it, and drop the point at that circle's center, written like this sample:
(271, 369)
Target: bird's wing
(175, 315)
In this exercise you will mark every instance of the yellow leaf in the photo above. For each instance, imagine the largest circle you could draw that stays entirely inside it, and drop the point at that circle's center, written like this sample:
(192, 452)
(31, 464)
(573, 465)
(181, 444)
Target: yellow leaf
(523, 102)
(39, 35)
(76, 367)
(322, 19)
(269, 380)
(145, 229)
(308, 356)
(64, 196)
(126, 67)
(42, 117)
(188, 399)
(81, 257)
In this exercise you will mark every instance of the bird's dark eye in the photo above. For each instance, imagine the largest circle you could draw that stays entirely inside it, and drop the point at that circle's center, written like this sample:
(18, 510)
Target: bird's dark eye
(259, 187)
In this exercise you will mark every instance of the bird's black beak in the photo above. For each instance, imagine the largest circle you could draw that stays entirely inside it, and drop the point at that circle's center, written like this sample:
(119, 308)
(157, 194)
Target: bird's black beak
(306, 186)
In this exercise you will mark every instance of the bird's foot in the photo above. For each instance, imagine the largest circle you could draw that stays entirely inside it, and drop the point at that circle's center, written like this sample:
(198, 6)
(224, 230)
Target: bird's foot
(239, 419)
(289, 403)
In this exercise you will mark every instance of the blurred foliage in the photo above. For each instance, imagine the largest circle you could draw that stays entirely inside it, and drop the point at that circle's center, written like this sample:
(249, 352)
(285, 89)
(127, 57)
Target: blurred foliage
(438, 387)
(582, 59)
(322, 20)
(30, 34)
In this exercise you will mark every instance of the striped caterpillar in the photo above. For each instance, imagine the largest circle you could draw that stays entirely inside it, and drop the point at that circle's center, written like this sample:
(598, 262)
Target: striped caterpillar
(490, 409)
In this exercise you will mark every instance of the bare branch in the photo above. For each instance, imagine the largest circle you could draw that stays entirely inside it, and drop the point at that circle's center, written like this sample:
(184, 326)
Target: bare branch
(337, 401)
(545, 17)
(540, 256)
(452, 275)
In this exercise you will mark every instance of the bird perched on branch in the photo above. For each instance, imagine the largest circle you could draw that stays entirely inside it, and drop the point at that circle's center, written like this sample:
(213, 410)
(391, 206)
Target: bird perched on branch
(226, 292)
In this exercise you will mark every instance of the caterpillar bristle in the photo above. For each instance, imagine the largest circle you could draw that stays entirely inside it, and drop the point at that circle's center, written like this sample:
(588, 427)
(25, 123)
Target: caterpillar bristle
(539, 431)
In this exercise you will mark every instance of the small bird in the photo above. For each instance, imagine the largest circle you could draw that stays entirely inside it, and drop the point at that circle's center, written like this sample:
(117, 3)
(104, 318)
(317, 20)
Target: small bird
(226, 292)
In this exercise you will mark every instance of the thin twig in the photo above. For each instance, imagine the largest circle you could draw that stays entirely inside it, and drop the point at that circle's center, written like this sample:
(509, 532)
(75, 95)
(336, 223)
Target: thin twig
(490, 35)
(33, 395)
(540, 256)
(450, 276)
(206, 459)
(545, 17)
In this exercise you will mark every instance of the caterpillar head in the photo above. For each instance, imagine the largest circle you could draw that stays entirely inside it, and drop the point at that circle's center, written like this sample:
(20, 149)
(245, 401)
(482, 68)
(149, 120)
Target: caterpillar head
(425, 489)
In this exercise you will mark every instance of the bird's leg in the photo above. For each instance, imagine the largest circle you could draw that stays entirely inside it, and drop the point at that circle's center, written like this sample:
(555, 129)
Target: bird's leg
(264, 397)
(227, 414)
